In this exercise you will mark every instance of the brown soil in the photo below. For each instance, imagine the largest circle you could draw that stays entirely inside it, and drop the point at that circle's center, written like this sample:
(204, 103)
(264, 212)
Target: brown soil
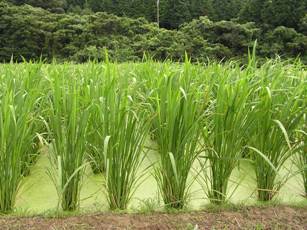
(246, 218)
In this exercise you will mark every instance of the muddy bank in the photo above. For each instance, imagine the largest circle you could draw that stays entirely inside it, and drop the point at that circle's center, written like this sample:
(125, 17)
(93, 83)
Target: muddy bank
(280, 217)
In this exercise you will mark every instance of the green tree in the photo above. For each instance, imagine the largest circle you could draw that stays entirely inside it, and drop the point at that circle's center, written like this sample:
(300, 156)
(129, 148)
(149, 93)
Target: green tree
(252, 11)
(227, 9)
(54, 5)
(201, 8)
(275, 12)
(303, 25)
(284, 13)
(174, 13)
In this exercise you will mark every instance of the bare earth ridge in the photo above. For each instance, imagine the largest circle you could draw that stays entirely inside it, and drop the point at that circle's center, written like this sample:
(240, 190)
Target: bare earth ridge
(279, 217)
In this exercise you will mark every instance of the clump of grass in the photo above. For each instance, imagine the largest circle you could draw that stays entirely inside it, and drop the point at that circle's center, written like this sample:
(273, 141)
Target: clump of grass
(225, 129)
(37, 85)
(301, 162)
(122, 126)
(124, 155)
(18, 98)
(94, 95)
(67, 124)
(277, 112)
(300, 158)
(178, 105)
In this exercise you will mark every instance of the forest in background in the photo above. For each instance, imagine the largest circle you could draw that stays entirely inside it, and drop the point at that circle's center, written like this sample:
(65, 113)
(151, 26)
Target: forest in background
(78, 30)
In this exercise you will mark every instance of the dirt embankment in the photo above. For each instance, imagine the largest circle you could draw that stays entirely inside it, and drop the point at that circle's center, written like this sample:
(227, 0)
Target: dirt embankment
(246, 218)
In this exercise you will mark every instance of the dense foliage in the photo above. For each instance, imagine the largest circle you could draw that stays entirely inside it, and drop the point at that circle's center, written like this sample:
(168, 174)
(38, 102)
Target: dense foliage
(172, 12)
(182, 123)
(31, 33)
(275, 12)
(176, 12)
